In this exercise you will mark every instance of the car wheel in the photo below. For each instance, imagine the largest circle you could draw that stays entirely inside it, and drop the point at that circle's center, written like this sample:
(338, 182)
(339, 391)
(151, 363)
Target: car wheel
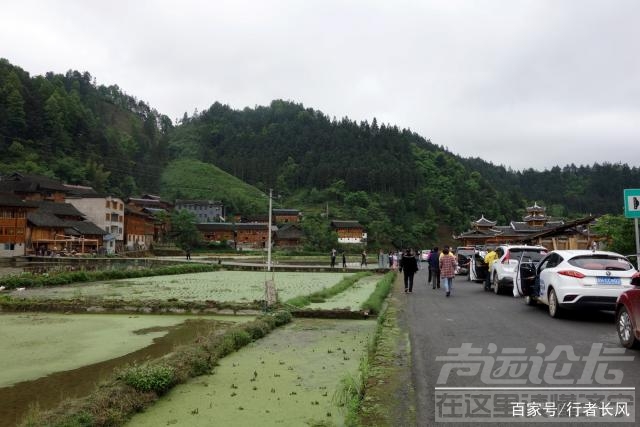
(529, 300)
(554, 307)
(625, 329)
(496, 285)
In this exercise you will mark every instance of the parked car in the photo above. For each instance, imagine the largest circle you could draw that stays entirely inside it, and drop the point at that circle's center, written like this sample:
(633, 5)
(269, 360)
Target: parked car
(424, 255)
(628, 315)
(504, 269)
(463, 255)
(572, 279)
(478, 269)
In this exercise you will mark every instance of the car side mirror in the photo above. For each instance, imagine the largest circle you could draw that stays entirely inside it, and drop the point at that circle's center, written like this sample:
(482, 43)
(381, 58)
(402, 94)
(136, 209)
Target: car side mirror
(635, 279)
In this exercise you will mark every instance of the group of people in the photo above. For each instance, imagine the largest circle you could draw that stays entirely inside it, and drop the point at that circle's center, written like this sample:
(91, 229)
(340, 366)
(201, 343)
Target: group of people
(442, 268)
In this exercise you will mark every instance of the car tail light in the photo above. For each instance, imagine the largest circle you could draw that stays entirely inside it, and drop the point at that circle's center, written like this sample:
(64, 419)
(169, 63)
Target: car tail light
(505, 260)
(571, 273)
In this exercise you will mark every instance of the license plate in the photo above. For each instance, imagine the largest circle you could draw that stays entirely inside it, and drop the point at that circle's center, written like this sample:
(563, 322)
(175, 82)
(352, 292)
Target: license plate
(604, 280)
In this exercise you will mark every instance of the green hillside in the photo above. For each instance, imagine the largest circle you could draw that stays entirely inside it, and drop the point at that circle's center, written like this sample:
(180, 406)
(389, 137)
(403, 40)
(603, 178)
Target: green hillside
(192, 179)
(404, 189)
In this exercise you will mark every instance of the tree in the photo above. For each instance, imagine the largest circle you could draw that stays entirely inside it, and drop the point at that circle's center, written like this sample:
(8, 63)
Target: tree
(620, 233)
(183, 229)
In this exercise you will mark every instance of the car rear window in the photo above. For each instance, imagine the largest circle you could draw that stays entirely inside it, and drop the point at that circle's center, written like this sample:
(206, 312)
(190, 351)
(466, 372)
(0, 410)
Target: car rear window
(527, 255)
(601, 262)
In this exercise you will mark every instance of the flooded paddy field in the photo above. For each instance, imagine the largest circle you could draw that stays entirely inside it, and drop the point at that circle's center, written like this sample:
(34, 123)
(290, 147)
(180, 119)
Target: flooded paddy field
(48, 357)
(221, 286)
(291, 377)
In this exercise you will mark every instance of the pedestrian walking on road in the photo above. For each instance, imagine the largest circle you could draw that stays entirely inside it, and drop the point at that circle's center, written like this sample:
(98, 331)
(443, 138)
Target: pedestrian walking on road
(363, 260)
(344, 260)
(448, 264)
(188, 253)
(434, 267)
(408, 266)
(333, 257)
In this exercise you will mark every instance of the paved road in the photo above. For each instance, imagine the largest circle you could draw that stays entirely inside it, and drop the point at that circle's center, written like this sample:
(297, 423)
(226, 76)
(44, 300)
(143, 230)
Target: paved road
(495, 325)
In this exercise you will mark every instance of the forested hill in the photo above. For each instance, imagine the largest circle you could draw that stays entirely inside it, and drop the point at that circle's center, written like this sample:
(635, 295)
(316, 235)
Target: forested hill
(68, 127)
(399, 184)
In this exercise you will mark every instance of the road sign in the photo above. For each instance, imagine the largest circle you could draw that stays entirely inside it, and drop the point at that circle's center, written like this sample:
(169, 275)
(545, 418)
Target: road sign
(632, 203)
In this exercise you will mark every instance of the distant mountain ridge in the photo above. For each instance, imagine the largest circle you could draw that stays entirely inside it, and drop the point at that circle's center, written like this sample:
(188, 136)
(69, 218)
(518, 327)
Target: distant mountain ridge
(401, 186)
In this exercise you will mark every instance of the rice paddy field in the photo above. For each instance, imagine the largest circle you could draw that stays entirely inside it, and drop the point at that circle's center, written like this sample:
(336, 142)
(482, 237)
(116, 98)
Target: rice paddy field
(291, 377)
(352, 298)
(221, 286)
(44, 343)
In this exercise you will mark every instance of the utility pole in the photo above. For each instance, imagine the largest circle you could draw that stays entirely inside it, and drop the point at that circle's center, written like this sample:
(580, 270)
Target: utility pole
(269, 232)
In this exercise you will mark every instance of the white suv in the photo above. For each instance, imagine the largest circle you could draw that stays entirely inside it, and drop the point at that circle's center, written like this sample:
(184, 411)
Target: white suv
(504, 268)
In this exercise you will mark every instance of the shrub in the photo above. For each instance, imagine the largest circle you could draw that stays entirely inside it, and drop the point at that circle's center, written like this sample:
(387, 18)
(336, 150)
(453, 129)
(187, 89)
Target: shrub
(374, 303)
(282, 317)
(158, 378)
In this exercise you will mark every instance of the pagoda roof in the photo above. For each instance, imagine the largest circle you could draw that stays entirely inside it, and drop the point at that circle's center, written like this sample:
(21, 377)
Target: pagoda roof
(536, 208)
(484, 222)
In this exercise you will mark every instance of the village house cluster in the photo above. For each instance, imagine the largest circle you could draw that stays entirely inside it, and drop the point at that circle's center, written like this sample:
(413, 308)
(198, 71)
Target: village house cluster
(42, 216)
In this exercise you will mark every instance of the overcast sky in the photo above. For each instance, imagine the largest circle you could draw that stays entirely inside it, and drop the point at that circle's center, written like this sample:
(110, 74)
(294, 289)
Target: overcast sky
(523, 83)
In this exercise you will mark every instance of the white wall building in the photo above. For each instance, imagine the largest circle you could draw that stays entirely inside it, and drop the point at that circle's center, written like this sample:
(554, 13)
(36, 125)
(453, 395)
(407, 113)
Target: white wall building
(106, 212)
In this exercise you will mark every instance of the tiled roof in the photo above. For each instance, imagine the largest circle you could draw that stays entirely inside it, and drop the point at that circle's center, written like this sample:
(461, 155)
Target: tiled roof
(82, 191)
(86, 227)
(346, 224)
(285, 211)
(289, 231)
(45, 219)
(26, 182)
(65, 209)
(8, 199)
(484, 222)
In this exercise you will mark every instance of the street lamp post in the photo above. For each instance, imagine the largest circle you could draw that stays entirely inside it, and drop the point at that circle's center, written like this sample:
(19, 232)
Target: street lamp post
(269, 231)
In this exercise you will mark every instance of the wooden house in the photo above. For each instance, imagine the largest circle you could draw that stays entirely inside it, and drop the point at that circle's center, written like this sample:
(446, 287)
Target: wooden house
(289, 236)
(13, 225)
(60, 227)
(247, 235)
(139, 228)
(285, 216)
(349, 231)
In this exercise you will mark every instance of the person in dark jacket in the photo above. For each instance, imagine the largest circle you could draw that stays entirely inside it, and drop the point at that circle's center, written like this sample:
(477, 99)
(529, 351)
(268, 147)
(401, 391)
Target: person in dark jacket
(434, 267)
(409, 266)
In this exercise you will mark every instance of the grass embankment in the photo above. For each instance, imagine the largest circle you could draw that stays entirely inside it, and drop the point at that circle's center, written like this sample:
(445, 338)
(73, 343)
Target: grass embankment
(135, 388)
(374, 303)
(386, 395)
(29, 280)
(368, 395)
(322, 295)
